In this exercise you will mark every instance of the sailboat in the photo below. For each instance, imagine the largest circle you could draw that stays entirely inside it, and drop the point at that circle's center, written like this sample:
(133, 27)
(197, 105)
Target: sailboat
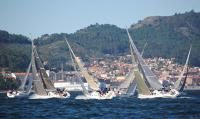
(23, 91)
(147, 83)
(95, 92)
(42, 86)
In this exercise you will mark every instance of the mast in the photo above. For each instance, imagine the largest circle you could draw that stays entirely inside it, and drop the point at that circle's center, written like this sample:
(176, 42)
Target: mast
(90, 80)
(177, 84)
(148, 75)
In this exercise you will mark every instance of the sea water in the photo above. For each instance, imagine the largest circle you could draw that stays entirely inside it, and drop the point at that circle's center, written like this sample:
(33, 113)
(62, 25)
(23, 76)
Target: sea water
(185, 106)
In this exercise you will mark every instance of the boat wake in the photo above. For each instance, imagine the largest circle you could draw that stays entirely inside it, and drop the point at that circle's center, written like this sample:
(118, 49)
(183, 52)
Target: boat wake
(50, 95)
(97, 95)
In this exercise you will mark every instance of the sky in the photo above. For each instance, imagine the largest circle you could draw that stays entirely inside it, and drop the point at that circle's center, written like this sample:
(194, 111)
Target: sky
(38, 17)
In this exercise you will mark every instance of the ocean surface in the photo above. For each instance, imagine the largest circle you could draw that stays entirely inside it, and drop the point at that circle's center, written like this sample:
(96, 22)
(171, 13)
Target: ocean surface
(186, 106)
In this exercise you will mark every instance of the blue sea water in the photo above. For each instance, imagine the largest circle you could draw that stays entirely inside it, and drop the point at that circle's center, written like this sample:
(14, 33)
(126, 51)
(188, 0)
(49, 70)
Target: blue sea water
(186, 106)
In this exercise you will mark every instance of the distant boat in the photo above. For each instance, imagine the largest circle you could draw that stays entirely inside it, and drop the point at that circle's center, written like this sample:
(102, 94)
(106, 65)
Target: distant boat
(42, 86)
(147, 83)
(95, 92)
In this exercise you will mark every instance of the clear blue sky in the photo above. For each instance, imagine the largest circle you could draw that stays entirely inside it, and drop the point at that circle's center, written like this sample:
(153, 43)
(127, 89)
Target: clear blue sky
(55, 16)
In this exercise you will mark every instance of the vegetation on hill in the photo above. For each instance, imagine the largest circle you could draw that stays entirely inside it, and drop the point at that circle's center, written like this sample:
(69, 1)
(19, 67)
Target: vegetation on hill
(15, 52)
(167, 36)
(170, 36)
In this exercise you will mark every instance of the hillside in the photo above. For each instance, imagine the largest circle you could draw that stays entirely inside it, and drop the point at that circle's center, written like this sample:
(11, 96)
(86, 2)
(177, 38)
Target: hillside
(170, 36)
(167, 36)
(15, 52)
(92, 41)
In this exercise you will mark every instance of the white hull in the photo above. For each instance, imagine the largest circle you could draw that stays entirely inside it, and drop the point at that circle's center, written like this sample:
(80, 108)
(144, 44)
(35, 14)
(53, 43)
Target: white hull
(17, 94)
(50, 95)
(97, 95)
(160, 94)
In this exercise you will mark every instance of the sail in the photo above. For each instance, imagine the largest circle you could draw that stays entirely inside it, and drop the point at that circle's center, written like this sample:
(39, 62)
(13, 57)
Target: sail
(184, 82)
(25, 78)
(90, 80)
(148, 74)
(47, 83)
(127, 81)
(140, 81)
(85, 91)
(37, 82)
(177, 84)
(145, 45)
(131, 88)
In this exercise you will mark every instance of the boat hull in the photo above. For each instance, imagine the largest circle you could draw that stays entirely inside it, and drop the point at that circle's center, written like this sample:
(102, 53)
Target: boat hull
(50, 95)
(160, 94)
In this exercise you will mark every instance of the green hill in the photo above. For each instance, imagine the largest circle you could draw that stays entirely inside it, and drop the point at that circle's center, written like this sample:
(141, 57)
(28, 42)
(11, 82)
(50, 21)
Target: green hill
(170, 36)
(167, 36)
(15, 52)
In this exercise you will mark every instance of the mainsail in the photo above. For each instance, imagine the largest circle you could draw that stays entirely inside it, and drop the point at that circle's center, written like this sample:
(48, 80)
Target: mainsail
(140, 81)
(149, 76)
(177, 84)
(90, 80)
(47, 83)
(37, 82)
(85, 91)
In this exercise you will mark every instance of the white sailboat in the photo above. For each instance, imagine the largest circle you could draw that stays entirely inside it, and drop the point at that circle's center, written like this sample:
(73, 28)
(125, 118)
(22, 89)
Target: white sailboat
(147, 83)
(42, 86)
(93, 83)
